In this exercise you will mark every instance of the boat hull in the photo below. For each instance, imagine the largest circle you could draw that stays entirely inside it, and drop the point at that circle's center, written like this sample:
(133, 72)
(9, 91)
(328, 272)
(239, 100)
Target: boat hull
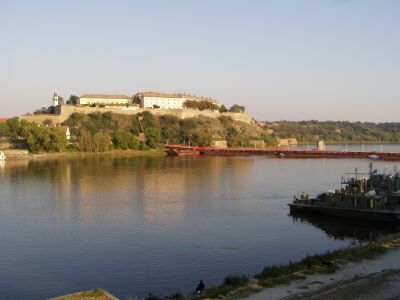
(173, 152)
(361, 214)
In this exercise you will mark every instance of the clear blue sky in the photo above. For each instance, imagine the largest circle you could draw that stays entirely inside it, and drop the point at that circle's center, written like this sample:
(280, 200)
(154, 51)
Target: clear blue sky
(326, 59)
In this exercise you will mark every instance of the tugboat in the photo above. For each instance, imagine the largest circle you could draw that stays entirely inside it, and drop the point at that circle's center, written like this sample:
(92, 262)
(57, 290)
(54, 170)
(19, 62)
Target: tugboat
(2, 155)
(374, 198)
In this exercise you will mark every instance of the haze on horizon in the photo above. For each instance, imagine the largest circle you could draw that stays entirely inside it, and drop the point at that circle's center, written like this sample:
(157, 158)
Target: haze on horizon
(293, 60)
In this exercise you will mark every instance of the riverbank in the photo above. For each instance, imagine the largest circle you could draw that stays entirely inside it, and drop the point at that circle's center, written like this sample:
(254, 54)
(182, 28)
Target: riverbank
(370, 271)
(79, 154)
(378, 278)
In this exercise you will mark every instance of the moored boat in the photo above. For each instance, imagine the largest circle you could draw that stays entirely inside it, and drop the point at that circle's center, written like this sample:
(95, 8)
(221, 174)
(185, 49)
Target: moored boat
(375, 198)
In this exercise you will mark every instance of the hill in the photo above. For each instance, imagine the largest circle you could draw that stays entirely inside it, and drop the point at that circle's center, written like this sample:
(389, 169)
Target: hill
(125, 130)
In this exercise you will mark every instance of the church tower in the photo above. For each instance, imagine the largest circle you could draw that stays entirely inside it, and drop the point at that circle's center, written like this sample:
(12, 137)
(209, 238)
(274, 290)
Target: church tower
(55, 99)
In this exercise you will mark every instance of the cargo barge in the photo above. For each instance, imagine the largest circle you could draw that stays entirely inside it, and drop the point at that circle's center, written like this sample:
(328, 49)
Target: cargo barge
(373, 198)
(282, 153)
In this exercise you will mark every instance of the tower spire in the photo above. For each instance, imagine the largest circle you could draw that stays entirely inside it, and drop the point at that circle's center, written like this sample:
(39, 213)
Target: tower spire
(55, 98)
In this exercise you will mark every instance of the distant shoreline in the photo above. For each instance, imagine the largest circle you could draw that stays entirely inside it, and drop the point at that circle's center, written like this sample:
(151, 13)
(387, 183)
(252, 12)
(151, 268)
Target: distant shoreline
(350, 143)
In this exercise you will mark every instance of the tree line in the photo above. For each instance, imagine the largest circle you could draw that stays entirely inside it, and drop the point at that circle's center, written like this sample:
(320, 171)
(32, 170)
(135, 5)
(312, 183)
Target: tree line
(337, 131)
(105, 131)
(37, 138)
(99, 132)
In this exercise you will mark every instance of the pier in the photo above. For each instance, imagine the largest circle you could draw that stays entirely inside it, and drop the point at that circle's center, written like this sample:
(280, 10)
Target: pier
(179, 150)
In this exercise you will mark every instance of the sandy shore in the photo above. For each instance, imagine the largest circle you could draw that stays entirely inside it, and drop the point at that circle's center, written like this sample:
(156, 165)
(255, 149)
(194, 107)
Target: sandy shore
(369, 279)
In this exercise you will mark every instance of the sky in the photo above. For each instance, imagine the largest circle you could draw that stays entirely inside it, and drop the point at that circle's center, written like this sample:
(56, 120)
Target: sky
(282, 60)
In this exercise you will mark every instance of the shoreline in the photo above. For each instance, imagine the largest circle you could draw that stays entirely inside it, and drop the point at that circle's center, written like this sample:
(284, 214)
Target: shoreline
(376, 278)
(78, 154)
(370, 271)
(351, 143)
(325, 276)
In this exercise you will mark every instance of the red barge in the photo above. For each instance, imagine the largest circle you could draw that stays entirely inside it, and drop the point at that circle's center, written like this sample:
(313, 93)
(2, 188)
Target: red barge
(177, 150)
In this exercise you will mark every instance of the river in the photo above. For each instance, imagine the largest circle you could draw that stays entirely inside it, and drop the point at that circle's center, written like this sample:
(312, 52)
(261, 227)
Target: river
(158, 224)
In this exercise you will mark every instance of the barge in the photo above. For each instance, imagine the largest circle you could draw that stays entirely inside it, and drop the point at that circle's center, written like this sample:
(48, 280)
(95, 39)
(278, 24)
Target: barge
(373, 198)
(281, 153)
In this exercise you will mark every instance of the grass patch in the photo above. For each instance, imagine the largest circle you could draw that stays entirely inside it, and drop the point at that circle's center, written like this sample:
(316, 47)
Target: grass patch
(96, 293)
(236, 280)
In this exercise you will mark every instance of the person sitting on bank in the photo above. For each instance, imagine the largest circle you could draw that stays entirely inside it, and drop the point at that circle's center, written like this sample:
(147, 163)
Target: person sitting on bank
(200, 287)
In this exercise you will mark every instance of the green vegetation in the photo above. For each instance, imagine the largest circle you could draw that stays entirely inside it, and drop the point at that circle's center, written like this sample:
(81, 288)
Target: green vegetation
(91, 294)
(38, 139)
(73, 99)
(42, 111)
(223, 109)
(200, 105)
(307, 131)
(99, 132)
(237, 286)
(237, 108)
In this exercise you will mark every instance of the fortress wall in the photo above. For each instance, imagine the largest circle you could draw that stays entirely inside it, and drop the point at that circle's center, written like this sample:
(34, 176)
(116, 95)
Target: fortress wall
(39, 119)
(64, 111)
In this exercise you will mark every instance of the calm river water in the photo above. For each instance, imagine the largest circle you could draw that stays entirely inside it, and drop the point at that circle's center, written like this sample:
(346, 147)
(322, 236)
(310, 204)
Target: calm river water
(156, 224)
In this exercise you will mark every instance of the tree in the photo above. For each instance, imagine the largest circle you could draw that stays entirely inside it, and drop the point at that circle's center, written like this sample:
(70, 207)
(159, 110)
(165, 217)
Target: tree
(51, 110)
(237, 108)
(40, 111)
(125, 140)
(85, 141)
(101, 142)
(200, 105)
(135, 100)
(73, 99)
(153, 137)
(46, 139)
(223, 109)
(48, 122)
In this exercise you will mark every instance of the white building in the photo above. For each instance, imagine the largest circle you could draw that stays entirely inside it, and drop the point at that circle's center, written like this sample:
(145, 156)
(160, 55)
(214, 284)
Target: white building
(167, 101)
(89, 99)
(55, 99)
(65, 130)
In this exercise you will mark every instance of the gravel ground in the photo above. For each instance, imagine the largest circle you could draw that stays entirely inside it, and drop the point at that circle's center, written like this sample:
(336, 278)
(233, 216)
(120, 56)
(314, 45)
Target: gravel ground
(369, 279)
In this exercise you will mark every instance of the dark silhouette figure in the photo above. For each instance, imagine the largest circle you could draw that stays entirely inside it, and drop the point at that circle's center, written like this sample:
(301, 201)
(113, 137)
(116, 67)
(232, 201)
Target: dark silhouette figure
(200, 287)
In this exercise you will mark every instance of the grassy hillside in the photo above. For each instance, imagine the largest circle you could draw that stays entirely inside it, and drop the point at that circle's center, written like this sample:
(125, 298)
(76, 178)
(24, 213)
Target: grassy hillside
(98, 132)
(93, 130)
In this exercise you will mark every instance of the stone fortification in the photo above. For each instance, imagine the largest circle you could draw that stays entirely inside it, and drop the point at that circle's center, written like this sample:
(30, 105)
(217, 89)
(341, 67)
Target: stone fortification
(64, 111)
(39, 119)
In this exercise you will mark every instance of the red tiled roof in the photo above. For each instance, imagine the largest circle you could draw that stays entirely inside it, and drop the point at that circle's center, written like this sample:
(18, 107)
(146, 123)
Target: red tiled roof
(3, 120)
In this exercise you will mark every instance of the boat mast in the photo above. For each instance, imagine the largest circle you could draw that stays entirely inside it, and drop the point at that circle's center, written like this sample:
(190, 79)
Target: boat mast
(370, 175)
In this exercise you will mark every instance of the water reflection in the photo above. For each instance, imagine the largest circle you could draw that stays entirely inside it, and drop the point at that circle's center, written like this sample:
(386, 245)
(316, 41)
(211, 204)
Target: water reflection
(347, 228)
(173, 220)
(114, 189)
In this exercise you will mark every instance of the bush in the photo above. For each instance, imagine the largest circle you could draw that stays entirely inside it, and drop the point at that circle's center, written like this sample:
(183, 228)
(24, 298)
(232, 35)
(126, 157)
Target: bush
(153, 137)
(236, 280)
(237, 108)
(125, 140)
